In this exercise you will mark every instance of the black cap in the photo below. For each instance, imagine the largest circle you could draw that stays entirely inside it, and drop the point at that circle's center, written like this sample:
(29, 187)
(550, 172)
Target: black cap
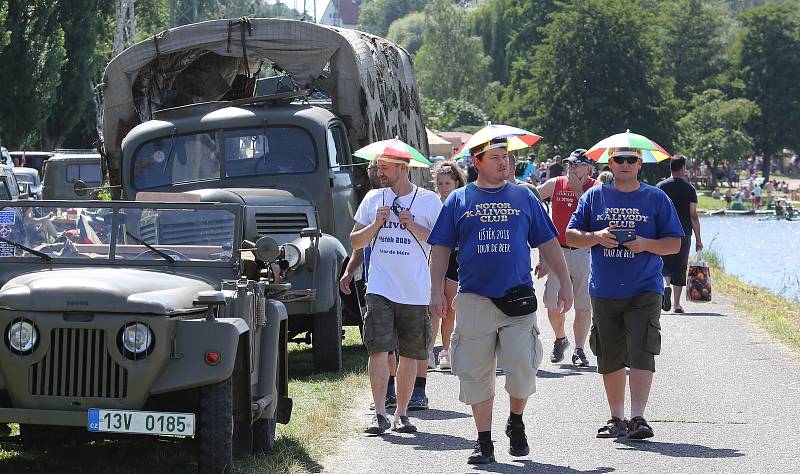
(579, 157)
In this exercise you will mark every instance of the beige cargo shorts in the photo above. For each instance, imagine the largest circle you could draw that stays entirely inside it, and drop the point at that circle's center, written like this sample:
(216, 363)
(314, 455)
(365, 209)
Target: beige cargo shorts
(578, 262)
(485, 338)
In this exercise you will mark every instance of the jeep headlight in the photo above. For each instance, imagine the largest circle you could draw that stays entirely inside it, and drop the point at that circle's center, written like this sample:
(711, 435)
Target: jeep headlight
(22, 336)
(137, 338)
(292, 255)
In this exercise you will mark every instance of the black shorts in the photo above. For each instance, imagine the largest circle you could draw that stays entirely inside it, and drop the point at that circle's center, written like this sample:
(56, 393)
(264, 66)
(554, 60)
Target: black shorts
(452, 267)
(675, 265)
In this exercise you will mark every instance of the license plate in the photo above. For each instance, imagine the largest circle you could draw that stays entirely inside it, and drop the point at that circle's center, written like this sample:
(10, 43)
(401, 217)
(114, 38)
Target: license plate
(142, 422)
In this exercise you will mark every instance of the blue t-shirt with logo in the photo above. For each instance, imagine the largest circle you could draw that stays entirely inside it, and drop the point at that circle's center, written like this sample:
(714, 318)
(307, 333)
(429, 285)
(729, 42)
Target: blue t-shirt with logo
(492, 229)
(619, 273)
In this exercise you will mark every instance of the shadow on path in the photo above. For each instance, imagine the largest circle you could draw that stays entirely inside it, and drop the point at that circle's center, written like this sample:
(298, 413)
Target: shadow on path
(434, 414)
(679, 450)
(695, 313)
(526, 465)
(431, 441)
(544, 374)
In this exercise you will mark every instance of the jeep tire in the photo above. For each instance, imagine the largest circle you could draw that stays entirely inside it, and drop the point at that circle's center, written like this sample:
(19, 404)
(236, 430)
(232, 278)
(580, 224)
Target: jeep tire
(326, 339)
(263, 435)
(215, 440)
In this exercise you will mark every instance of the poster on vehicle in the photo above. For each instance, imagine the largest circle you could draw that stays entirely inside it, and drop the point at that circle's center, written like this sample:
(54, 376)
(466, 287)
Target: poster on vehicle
(7, 220)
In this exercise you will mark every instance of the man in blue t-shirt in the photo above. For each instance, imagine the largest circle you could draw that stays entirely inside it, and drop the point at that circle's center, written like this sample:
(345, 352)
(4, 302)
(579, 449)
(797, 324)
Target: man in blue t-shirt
(628, 225)
(494, 223)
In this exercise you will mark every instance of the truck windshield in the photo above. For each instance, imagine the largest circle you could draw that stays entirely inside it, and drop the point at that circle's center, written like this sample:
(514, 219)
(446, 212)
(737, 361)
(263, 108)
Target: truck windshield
(59, 232)
(270, 150)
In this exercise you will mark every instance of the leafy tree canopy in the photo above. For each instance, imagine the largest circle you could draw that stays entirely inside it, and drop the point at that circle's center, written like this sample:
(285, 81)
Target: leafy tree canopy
(376, 16)
(453, 115)
(408, 31)
(450, 64)
(714, 130)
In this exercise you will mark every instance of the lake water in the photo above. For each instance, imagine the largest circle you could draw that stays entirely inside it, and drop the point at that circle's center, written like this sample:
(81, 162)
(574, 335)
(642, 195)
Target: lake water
(764, 253)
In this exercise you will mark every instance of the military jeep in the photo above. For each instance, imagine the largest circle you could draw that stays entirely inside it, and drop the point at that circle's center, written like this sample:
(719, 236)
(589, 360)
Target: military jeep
(142, 318)
(188, 110)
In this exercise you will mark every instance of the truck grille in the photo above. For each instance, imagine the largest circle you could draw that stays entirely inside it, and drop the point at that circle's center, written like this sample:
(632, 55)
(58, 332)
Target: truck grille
(269, 224)
(78, 365)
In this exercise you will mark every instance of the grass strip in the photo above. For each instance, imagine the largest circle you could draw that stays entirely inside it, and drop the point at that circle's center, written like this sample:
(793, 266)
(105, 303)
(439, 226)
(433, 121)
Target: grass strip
(778, 315)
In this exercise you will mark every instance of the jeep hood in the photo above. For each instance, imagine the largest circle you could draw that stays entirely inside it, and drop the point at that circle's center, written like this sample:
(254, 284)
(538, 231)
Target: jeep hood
(108, 290)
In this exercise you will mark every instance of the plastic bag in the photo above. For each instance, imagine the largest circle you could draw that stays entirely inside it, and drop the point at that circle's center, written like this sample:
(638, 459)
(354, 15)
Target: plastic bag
(698, 283)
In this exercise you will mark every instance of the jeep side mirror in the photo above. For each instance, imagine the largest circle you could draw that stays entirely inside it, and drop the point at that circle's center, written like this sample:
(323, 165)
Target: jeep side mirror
(267, 249)
(80, 188)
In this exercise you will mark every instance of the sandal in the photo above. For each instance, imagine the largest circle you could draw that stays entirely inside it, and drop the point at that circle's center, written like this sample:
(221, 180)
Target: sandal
(614, 428)
(639, 429)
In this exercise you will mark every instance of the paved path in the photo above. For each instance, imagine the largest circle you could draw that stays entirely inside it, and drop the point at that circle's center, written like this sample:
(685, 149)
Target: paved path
(725, 399)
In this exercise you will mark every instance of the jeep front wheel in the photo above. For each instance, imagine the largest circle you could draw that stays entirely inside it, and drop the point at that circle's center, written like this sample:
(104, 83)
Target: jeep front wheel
(215, 438)
(326, 339)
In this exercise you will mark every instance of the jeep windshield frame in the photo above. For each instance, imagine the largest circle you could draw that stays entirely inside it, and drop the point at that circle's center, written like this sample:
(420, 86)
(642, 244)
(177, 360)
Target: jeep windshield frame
(259, 150)
(94, 233)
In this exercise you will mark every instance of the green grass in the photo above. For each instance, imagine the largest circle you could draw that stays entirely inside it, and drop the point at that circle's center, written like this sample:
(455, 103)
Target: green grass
(706, 202)
(779, 316)
(319, 421)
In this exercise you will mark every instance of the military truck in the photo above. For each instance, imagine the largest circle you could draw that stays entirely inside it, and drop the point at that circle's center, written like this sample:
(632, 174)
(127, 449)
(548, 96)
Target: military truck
(116, 320)
(68, 173)
(185, 110)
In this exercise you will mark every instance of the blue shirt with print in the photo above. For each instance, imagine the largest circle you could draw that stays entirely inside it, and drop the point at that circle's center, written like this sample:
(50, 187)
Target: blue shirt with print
(492, 229)
(619, 273)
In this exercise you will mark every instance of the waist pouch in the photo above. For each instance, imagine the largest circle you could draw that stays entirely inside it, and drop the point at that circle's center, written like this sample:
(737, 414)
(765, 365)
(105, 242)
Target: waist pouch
(519, 301)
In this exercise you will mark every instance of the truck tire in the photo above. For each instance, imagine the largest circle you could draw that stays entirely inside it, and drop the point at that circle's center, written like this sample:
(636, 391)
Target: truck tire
(326, 339)
(215, 440)
(263, 435)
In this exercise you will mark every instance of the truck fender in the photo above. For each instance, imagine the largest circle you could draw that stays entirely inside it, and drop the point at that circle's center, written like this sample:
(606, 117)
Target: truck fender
(331, 256)
(187, 367)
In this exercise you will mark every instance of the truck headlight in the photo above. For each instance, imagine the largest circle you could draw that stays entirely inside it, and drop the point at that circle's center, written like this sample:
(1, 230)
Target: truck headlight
(22, 336)
(292, 255)
(136, 338)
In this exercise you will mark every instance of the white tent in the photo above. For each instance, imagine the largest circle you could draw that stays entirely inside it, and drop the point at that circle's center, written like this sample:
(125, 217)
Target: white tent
(438, 145)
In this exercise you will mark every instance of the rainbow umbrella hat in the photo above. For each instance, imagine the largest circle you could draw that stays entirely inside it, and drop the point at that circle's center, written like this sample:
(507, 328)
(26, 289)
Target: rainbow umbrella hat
(652, 152)
(517, 138)
(394, 148)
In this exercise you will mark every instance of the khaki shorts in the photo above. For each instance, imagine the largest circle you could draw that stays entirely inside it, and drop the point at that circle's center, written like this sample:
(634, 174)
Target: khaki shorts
(626, 332)
(578, 267)
(484, 338)
(390, 326)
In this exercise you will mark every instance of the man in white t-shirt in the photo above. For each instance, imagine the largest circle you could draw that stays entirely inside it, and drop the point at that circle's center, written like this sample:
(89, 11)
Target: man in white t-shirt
(395, 222)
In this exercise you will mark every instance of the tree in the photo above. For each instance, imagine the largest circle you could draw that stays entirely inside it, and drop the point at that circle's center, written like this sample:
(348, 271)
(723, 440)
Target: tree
(714, 130)
(594, 80)
(450, 64)
(768, 61)
(408, 31)
(30, 75)
(453, 115)
(692, 48)
(376, 16)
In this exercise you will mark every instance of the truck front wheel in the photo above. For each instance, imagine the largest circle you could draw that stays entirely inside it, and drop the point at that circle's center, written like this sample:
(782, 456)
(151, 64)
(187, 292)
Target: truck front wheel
(215, 438)
(326, 339)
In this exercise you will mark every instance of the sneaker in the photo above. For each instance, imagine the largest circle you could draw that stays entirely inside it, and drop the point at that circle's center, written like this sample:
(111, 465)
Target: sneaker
(402, 424)
(579, 358)
(482, 454)
(666, 299)
(431, 360)
(614, 428)
(444, 360)
(378, 425)
(418, 401)
(639, 429)
(518, 440)
(559, 346)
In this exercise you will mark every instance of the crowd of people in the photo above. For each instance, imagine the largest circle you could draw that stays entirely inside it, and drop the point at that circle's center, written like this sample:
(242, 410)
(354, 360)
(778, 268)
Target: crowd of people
(458, 264)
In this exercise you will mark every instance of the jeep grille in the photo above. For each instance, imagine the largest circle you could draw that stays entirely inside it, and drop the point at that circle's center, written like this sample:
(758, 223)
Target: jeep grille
(269, 224)
(78, 365)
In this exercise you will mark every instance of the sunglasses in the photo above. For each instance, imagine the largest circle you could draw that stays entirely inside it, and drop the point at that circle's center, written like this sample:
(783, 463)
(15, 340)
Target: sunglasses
(625, 159)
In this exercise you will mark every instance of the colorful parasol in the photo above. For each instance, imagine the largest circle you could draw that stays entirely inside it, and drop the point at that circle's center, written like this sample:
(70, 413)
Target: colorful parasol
(652, 152)
(517, 138)
(394, 148)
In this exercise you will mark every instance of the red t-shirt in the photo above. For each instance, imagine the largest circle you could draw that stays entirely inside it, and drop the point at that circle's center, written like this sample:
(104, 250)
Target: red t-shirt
(563, 204)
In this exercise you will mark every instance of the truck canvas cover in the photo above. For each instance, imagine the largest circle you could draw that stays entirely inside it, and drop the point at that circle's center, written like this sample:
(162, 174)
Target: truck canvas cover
(370, 81)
